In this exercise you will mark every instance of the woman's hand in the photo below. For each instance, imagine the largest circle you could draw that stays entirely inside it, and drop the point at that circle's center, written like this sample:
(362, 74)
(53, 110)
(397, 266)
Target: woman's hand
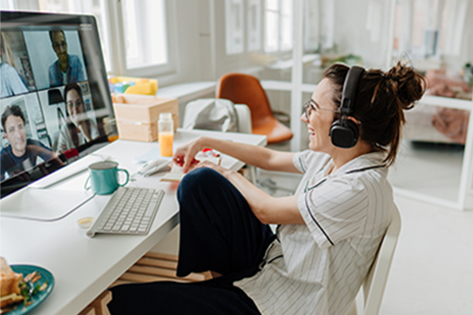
(185, 156)
(222, 170)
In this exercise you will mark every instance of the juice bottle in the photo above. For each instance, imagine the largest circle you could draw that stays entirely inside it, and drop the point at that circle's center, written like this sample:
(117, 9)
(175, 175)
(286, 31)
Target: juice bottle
(165, 134)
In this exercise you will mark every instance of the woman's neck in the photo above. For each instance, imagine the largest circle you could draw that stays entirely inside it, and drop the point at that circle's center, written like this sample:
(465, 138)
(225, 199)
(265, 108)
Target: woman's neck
(342, 156)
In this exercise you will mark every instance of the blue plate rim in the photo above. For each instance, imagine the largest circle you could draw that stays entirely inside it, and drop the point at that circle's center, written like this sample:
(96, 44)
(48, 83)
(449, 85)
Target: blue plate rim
(45, 273)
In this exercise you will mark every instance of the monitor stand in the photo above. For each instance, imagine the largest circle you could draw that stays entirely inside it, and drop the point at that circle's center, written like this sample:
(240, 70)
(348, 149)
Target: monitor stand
(43, 204)
(46, 200)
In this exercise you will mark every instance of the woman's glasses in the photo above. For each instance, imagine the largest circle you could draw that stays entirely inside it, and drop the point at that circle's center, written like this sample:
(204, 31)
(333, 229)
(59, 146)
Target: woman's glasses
(312, 105)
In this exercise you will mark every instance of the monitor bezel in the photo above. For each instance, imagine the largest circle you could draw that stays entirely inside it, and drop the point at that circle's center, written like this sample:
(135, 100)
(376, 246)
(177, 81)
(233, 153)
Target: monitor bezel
(102, 100)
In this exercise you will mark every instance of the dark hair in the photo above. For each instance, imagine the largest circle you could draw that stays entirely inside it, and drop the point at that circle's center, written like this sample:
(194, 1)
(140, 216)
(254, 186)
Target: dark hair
(380, 100)
(73, 86)
(51, 33)
(70, 125)
(13, 110)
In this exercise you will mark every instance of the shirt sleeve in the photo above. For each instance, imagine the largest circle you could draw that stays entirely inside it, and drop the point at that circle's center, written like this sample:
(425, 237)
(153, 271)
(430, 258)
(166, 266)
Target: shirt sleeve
(37, 148)
(15, 84)
(80, 71)
(301, 160)
(334, 211)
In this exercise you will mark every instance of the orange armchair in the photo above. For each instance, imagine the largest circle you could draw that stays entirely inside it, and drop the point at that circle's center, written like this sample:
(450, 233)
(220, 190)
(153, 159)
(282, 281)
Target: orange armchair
(246, 89)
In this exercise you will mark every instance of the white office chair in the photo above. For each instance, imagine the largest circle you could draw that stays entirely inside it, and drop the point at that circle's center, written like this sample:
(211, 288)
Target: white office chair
(215, 117)
(243, 125)
(375, 282)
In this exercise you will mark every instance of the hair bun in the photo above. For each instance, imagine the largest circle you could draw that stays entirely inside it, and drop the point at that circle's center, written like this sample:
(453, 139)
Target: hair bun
(406, 83)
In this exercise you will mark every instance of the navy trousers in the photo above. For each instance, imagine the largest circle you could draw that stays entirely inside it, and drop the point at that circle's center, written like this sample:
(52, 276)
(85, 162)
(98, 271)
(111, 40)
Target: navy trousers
(219, 232)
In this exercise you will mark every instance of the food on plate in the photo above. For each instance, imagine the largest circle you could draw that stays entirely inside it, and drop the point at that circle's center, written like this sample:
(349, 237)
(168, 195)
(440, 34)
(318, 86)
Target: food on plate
(10, 285)
(17, 291)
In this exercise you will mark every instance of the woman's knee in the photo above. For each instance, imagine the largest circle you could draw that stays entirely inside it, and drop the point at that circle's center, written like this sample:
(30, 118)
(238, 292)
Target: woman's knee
(198, 181)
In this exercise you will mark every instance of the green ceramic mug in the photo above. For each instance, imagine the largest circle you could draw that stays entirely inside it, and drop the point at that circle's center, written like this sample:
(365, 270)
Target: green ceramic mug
(104, 177)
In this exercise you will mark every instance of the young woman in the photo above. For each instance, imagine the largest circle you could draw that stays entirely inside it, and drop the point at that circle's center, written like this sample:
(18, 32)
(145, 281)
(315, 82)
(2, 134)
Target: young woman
(328, 232)
(11, 83)
(79, 128)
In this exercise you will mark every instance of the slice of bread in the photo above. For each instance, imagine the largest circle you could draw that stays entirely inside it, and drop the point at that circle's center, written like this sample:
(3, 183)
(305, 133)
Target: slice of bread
(9, 285)
(10, 300)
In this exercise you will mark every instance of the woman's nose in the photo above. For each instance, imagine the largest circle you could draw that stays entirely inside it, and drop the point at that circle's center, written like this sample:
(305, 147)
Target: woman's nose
(304, 119)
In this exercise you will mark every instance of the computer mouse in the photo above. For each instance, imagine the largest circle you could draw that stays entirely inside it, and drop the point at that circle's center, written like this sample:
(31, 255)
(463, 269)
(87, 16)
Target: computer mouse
(154, 166)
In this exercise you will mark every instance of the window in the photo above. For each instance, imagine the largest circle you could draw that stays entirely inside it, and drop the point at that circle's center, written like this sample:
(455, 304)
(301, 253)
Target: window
(311, 26)
(432, 27)
(254, 24)
(278, 25)
(139, 28)
(145, 33)
(234, 26)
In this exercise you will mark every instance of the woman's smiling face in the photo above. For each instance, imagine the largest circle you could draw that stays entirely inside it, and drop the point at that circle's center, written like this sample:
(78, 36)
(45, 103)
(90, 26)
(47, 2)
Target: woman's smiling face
(75, 106)
(321, 116)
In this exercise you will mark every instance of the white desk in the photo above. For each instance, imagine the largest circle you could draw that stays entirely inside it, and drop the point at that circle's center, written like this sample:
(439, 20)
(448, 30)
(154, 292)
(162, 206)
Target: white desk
(84, 267)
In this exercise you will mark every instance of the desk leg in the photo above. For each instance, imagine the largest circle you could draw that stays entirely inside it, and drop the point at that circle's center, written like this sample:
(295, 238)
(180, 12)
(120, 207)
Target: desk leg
(99, 305)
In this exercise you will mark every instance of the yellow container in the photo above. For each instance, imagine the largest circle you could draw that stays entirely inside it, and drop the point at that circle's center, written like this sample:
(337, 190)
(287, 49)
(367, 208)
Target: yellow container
(142, 86)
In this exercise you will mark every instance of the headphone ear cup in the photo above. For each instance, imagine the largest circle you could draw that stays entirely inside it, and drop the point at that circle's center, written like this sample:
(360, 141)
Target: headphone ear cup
(344, 133)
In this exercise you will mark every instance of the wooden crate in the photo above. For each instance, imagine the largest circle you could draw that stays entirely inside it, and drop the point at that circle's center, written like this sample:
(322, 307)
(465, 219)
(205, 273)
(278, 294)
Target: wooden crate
(137, 115)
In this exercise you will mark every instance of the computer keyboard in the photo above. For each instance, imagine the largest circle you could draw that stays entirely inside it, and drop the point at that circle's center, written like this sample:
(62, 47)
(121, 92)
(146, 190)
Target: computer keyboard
(130, 210)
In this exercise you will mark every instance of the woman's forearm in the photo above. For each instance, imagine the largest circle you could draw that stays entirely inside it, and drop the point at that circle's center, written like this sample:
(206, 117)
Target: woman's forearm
(253, 155)
(268, 209)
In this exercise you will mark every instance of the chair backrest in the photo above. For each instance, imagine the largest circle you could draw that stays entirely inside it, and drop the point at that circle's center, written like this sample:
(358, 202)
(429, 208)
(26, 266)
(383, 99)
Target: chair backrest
(214, 114)
(211, 114)
(375, 282)
(246, 89)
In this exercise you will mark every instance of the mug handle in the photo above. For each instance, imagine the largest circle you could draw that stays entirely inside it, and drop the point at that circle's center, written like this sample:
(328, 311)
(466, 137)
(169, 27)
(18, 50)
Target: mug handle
(127, 176)
(86, 183)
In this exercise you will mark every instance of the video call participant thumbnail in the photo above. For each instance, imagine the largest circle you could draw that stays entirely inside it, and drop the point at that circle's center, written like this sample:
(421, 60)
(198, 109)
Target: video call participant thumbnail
(11, 83)
(68, 68)
(21, 153)
(79, 128)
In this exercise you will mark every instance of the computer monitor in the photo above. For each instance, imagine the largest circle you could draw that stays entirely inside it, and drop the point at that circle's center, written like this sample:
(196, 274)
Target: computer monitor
(54, 94)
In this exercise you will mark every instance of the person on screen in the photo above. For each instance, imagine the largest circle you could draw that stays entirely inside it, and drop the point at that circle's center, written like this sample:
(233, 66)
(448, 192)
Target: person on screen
(329, 230)
(21, 153)
(68, 68)
(79, 128)
(11, 83)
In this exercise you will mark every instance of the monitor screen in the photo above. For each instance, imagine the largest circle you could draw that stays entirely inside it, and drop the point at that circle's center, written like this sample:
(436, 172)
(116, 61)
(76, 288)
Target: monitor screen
(54, 94)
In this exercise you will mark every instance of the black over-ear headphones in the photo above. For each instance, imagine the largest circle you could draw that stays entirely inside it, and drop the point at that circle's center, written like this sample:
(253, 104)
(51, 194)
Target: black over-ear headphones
(344, 131)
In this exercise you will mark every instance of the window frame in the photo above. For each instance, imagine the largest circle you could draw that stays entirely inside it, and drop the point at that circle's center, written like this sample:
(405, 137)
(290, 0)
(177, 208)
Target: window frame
(112, 42)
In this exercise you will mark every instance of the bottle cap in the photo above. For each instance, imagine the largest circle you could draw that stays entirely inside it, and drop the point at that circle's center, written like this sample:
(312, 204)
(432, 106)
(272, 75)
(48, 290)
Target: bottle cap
(165, 116)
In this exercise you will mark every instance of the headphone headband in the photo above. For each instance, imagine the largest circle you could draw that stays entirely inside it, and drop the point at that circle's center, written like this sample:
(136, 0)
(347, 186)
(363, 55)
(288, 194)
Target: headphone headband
(349, 89)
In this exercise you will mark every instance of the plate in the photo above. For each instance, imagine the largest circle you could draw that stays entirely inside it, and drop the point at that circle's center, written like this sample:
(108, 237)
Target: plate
(39, 297)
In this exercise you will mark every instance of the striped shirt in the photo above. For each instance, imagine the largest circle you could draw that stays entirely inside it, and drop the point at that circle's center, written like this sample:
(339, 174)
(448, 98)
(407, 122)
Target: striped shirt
(318, 268)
